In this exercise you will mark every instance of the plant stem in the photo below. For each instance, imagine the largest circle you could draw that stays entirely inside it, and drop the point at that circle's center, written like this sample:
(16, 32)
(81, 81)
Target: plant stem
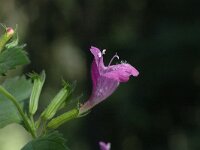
(17, 105)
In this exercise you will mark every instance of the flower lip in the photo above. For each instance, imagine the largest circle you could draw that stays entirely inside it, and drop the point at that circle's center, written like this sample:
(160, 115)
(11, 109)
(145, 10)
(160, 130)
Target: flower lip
(98, 59)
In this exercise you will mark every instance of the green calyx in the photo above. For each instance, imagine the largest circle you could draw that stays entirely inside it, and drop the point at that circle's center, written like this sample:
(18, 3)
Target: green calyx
(40, 126)
(56, 122)
(38, 82)
(57, 102)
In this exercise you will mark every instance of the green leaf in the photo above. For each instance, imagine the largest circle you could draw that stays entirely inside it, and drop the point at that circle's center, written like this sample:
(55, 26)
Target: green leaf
(52, 141)
(20, 88)
(12, 57)
(13, 43)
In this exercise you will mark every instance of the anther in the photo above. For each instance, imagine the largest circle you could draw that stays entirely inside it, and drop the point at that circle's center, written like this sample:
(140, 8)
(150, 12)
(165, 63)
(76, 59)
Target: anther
(104, 51)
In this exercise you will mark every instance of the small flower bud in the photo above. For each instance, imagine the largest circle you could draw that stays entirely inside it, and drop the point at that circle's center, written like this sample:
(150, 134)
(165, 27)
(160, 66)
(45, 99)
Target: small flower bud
(38, 82)
(57, 102)
(56, 122)
(10, 31)
(6, 37)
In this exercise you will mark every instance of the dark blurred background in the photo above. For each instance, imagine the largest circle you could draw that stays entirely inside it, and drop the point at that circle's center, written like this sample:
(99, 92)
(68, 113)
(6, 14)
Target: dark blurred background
(159, 110)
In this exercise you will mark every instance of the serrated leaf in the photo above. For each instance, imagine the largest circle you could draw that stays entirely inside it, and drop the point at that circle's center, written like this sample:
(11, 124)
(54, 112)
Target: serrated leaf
(20, 88)
(12, 57)
(52, 141)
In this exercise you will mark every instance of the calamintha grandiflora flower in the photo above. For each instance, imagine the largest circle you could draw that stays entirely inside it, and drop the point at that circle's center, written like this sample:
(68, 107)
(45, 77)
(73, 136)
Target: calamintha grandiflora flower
(104, 146)
(106, 79)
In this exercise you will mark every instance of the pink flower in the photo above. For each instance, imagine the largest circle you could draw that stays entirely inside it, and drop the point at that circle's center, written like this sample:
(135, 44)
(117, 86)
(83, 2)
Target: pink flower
(104, 146)
(106, 79)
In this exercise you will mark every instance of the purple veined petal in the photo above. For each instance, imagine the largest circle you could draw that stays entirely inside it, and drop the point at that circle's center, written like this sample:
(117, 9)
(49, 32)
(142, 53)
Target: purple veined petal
(120, 72)
(95, 74)
(104, 146)
(102, 89)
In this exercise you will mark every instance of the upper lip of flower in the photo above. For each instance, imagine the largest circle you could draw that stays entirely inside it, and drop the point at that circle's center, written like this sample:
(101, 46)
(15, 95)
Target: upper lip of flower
(119, 72)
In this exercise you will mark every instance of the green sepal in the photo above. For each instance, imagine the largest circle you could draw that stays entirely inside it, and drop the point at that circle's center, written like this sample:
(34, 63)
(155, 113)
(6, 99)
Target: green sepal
(57, 102)
(38, 82)
(56, 122)
(70, 98)
(14, 42)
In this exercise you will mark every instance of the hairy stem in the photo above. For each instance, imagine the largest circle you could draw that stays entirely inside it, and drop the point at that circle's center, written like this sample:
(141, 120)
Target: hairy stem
(17, 105)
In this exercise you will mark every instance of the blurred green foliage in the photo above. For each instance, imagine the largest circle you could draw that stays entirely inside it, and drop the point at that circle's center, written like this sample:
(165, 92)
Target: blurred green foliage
(19, 87)
(52, 141)
(159, 110)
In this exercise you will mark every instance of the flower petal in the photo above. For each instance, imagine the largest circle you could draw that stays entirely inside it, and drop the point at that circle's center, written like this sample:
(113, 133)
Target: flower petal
(103, 87)
(98, 57)
(95, 74)
(105, 79)
(104, 146)
(120, 72)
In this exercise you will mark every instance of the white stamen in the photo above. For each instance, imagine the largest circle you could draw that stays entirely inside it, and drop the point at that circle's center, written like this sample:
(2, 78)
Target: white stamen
(115, 56)
(99, 54)
(104, 51)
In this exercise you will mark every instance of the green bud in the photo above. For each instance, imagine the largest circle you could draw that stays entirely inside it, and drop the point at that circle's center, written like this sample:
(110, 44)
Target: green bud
(57, 102)
(56, 122)
(6, 37)
(38, 82)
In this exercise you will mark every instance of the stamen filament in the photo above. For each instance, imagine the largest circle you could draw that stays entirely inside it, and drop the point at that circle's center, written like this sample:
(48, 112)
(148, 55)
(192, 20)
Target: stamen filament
(115, 56)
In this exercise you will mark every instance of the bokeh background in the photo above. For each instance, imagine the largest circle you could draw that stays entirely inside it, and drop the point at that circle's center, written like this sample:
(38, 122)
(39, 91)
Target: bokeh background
(159, 110)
